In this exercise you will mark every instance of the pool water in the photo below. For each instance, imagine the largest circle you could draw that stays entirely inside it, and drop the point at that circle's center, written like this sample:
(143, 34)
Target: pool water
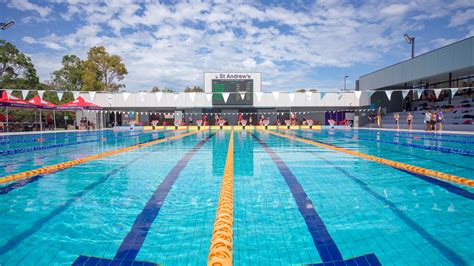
(294, 203)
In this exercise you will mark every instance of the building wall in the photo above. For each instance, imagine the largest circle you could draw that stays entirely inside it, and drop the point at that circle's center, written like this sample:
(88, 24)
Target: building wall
(456, 56)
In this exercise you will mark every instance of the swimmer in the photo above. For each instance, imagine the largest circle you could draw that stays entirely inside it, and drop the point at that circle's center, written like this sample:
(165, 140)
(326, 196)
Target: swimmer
(410, 120)
(396, 116)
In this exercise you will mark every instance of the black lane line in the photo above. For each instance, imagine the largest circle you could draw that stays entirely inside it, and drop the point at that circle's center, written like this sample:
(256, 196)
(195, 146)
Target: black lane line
(326, 246)
(131, 245)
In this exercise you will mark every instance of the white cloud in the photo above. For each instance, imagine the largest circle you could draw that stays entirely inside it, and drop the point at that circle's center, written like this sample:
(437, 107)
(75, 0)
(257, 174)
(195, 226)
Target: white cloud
(24, 5)
(461, 18)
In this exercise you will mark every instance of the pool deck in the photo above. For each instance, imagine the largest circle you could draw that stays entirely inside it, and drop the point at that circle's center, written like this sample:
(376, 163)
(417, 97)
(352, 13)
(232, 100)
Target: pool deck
(419, 131)
(49, 132)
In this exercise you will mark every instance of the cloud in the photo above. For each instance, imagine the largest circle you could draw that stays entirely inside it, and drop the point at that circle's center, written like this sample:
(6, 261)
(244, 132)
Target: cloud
(24, 5)
(461, 18)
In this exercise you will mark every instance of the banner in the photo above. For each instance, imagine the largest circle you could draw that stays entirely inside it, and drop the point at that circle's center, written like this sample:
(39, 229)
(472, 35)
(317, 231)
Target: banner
(125, 96)
(209, 96)
(192, 95)
(158, 96)
(75, 94)
(405, 93)
(225, 95)
(276, 94)
(357, 94)
(60, 95)
(242, 94)
(453, 91)
(24, 93)
(92, 95)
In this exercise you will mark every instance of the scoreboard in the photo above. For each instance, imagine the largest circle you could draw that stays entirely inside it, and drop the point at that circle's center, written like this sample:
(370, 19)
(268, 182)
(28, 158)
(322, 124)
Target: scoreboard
(235, 87)
(240, 86)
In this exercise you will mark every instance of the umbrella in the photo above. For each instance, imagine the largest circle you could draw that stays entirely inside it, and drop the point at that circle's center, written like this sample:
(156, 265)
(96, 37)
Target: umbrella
(43, 104)
(13, 101)
(79, 104)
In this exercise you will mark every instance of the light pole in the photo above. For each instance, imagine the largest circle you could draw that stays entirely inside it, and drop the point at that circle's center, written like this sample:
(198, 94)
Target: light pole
(410, 40)
(6, 25)
(345, 78)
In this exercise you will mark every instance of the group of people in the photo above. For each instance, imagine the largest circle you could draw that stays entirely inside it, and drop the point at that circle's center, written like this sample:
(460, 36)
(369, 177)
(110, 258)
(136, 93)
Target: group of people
(433, 120)
(86, 124)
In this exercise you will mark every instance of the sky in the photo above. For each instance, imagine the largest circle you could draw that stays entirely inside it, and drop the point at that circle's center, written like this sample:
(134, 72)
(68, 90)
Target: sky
(294, 44)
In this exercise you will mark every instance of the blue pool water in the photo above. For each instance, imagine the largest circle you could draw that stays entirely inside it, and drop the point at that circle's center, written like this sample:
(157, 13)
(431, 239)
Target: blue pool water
(294, 203)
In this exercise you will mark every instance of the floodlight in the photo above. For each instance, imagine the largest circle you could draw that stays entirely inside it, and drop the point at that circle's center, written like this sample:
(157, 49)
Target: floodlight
(6, 25)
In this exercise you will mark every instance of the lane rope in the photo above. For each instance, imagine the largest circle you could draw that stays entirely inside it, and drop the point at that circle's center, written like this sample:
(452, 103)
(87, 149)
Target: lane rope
(57, 167)
(402, 166)
(220, 251)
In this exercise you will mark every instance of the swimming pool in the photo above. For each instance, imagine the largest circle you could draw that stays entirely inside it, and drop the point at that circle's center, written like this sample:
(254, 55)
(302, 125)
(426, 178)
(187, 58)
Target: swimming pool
(294, 202)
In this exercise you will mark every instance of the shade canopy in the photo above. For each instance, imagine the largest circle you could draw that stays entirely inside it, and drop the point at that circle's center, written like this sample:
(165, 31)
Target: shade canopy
(13, 101)
(79, 104)
(41, 103)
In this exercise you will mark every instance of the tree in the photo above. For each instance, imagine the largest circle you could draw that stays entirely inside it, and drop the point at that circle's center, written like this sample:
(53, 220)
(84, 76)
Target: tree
(193, 89)
(156, 89)
(16, 69)
(69, 77)
(102, 71)
(301, 90)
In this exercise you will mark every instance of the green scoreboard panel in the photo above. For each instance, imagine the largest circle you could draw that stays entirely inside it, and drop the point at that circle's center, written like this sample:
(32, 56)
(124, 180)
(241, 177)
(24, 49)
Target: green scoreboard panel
(234, 86)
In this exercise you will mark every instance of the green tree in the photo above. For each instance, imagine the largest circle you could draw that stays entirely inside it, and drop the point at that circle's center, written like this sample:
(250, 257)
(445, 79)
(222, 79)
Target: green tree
(69, 77)
(103, 71)
(193, 89)
(301, 90)
(16, 69)
(157, 89)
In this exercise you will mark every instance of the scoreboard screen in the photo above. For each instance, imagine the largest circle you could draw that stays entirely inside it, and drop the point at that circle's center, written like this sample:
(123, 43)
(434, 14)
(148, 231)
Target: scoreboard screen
(234, 86)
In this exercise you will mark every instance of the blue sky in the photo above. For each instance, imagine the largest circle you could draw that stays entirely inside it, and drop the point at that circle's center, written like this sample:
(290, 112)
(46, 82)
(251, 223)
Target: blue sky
(294, 44)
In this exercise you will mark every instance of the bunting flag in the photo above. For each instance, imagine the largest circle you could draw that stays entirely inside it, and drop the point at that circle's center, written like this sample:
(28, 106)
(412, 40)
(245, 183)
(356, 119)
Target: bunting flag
(339, 95)
(322, 94)
(158, 96)
(75, 94)
(370, 93)
(357, 94)
(419, 92)
(125, 96)
(309, 94)
(259, 96)
(291, 96)
(276, 94)
(41, 93)
(437, 92)
(405, 93)
(142, 96)
(209, 96)
(192, 95)
(109, 98)
(92, 95)
(225, 95)
(389, 95)
(24, 93)
(176, 95)
(9, 93)
(453, 91)
(242, 94)
(60, 95)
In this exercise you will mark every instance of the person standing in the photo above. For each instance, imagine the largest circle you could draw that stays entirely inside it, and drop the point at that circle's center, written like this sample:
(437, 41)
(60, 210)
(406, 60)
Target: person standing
(379, 117)
(427, 120)
(433, 120)
(410, 121)
(439, 119)
(396, 116)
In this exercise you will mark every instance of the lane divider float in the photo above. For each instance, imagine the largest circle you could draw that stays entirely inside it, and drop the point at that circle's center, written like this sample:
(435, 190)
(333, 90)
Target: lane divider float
(402, 166)
(220, 252)
(59, 166)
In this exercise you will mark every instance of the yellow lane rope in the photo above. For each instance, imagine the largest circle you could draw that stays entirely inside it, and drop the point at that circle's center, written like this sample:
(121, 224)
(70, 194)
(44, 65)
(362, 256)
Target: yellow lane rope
(403, 166)
(56, 167)
(220, 252)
